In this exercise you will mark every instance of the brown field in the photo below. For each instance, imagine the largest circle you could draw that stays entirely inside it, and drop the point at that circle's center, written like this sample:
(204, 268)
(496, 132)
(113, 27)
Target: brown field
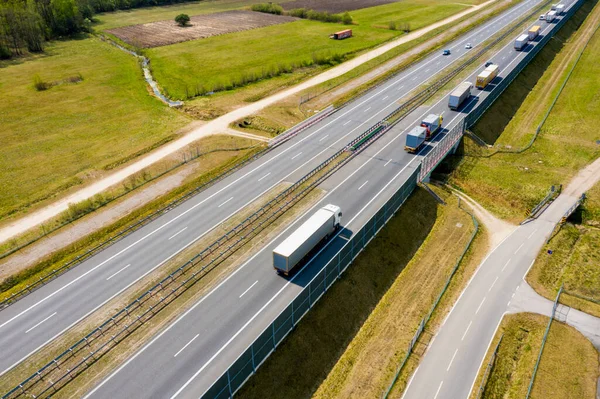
(163, 33)
(334, 7)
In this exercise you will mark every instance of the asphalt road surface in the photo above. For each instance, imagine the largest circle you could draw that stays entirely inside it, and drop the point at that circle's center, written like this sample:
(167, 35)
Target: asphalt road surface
(185, 358)
(43, 315)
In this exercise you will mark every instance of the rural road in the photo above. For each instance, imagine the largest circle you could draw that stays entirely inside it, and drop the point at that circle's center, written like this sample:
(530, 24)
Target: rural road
(185, 358)
(218, 125)
(43, 315)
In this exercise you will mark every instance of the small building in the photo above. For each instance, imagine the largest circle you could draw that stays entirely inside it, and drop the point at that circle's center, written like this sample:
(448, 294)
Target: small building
(343, 34)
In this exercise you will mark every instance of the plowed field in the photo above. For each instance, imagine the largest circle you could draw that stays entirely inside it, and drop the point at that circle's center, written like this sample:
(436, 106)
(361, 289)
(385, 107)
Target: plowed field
(162, 33)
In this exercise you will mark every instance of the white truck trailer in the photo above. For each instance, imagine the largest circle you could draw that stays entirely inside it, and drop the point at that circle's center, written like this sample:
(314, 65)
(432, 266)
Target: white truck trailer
(560, 9)
(521, 42)
(460, 94)
(550, 16)
(301, 242)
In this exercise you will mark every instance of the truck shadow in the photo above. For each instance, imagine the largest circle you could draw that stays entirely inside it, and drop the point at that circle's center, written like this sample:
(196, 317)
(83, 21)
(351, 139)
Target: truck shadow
(309, 353)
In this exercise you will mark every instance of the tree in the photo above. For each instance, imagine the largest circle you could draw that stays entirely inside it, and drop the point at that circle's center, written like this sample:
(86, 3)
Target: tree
(346, 19)
(182, 19)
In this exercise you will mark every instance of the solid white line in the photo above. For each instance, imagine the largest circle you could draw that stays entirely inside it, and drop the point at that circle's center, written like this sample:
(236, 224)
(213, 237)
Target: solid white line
(451, 360)
(268, 174)
(386, 164)
(438, 391)
(323, 138)
(363, 185)
(186, 345)
(467, 330)
(180, 231)
(367, 109)
(40, 322)
(480, 305)
(297, 155)
(518, 249)
(532, 233)
(244, 293)
(114, 274)
(506, 264)
(494, 283)
(225, 202)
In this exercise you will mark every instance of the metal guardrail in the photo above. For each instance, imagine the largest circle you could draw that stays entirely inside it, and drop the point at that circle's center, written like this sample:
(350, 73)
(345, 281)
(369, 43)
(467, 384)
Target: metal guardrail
(551, 196)
(293, 131)
(268, 340)
(488, 370)
(537, 363)
(566, 216)
(427, 318)
(439, 152)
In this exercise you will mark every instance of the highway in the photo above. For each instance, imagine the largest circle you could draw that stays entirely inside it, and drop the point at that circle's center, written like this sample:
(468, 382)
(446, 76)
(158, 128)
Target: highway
(185, 358)
(38, 318)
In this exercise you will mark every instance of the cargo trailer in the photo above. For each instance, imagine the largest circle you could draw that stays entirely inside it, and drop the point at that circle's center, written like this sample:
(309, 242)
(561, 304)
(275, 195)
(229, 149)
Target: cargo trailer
(560, 9)
(521, 42)
(305, 238)
(534, 32)
(460, 94)
(485, 77)
(343, 34)
(415, 139)
(432, 124)
(550, 16)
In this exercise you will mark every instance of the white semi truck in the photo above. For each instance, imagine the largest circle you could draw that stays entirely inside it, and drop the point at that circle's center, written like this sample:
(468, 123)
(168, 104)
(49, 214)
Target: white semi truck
(521, 42)
(301, 242)
(460, 94)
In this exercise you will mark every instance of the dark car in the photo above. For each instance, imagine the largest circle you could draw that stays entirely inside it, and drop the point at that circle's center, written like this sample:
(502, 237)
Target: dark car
(487, 64)
(446, 52)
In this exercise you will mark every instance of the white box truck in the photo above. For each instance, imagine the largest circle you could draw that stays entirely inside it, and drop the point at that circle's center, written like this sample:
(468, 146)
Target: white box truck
(550, 15)
(460, 94)
(521, 42)
(560, 9)
(301, 242)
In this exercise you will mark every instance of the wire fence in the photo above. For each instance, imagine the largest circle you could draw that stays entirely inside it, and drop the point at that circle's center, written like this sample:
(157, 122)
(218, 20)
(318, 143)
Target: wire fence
(488, 370)
(537, 363)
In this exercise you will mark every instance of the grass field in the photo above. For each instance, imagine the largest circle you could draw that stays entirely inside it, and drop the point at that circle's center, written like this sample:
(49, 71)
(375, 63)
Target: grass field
(350, 343)
(509, 184)
(568, 369)
(575, 260)
(65, 136)
(185, 69)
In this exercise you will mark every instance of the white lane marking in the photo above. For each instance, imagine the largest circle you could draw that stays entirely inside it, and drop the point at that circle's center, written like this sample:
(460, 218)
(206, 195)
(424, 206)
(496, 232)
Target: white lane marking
(367, 109)
(451, 360)
(345, 123)
(323, 138)
(518, 249)
(384, 98)
(297, 155)
(225, 202)
(467, 330)
(508, 304)
(415, 78)
(244, 293)
(114, 274)
(186, 345)
(386, 164)
(40, 322)
(427, 70)
(438, 391)
(400, 88)
(532, 233)
(180, 231)
(494, 283)
(480, 305)
(513, 295)
(269, 173)
(363, 185)
(412, 377)
(506, 264)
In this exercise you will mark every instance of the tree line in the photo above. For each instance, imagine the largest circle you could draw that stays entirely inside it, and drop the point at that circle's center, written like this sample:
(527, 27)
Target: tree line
(26, 25)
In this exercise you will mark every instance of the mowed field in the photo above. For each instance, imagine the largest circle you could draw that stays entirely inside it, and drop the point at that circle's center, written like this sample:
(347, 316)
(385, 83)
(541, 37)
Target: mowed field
(162, 33)
(344, 5)
(185, 69)
(65, 136)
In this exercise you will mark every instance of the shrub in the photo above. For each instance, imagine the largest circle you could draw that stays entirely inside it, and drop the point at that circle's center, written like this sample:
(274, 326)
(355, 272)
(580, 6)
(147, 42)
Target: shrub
(346, 19)
(39, 84)
(392, 25)
(182, 19)
(268, 8)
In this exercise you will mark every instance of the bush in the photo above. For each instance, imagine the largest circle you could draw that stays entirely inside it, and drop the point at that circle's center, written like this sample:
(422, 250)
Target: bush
(268, 8)
(392, 25)
(346, 19)
(39, 84)
(182, 19)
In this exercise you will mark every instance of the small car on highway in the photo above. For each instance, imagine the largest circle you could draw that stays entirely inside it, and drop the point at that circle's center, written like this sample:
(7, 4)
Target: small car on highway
(468, 46)
(446, 52)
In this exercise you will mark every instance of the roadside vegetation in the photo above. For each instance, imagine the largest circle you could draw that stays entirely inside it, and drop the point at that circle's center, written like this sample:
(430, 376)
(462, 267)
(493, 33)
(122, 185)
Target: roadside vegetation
(575, 260)
(350, 344)
(73, 132)
(509, 184)
(568, 368)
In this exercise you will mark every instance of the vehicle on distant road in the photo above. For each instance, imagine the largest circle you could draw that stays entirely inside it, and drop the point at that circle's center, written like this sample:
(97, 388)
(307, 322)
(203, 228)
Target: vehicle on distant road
(294, 249)
(550, 16)
(468, 46)
(415, 139)
(487, 64)
(485, 77)
(521, 42)
(534, 32)
(560, 9)
(542, 17)
(446, 52)
(459, 95)
(432, 124)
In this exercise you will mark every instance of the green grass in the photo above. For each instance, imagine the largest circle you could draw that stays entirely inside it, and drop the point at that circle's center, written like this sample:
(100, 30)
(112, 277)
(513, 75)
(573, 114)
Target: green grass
(219, 61)
(568, 368)
(509, 184)
(66, 135)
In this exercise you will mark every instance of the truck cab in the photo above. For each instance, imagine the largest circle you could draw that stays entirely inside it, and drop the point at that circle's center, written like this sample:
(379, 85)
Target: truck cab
(337, 212)
(432, 124)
